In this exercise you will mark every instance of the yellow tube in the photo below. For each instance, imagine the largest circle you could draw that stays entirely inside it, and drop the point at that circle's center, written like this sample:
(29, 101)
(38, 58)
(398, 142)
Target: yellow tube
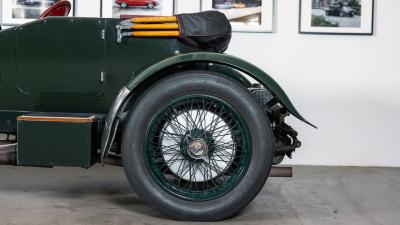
(165, 26)
(155, 33)
(155, 19)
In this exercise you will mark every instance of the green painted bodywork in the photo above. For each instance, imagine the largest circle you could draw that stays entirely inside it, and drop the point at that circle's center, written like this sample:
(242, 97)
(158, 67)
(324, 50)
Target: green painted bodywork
(226, 60)
(75, 65)
(56, 144)
(55, 65)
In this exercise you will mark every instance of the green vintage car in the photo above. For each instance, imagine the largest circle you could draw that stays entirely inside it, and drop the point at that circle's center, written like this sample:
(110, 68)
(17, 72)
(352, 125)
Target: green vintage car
(155, 95)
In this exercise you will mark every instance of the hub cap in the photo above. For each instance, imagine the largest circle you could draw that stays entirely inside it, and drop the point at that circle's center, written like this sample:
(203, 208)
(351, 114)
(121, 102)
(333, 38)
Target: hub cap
(197, 147)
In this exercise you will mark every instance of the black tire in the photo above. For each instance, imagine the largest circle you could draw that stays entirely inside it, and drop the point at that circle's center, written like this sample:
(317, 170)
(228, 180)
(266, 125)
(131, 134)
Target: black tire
(204, 83)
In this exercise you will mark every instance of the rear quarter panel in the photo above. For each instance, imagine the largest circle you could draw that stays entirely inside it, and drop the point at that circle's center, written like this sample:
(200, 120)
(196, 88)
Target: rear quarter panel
(124, 61)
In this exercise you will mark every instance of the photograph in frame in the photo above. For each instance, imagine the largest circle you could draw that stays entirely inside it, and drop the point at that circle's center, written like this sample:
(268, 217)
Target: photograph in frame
(336, 16)
(185, 6)
(245, 15)
(116, 8)
(15, 12)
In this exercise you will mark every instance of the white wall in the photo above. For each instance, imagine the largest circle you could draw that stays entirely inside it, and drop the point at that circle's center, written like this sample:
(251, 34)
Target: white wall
(349, 86)
(87, 8)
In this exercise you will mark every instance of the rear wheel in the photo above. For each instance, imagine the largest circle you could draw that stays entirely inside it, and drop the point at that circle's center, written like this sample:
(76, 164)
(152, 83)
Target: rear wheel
(197, 146)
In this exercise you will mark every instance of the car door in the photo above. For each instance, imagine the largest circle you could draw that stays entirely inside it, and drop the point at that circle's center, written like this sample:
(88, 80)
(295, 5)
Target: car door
(61, 56)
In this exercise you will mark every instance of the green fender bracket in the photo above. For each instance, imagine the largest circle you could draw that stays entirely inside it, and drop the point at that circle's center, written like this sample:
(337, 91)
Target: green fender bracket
(227, 60)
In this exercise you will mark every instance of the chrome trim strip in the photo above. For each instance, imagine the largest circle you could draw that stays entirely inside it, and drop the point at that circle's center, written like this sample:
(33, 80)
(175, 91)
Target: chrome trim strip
(105, 138)
(7, 146)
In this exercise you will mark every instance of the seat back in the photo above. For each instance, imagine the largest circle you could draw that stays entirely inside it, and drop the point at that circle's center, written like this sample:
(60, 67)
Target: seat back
(61, 8)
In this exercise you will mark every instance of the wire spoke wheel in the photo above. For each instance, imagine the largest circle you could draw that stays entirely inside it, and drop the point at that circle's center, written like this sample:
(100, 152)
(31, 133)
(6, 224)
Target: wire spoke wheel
(197, 147)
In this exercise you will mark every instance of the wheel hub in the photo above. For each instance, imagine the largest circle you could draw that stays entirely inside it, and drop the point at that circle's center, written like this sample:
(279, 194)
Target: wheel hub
(197, 149)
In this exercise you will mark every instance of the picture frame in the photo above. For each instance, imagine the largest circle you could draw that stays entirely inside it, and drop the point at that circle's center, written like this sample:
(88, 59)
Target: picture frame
(16, 12)
(109, 9)
(246, 16)
(342, 17)
(185, 6)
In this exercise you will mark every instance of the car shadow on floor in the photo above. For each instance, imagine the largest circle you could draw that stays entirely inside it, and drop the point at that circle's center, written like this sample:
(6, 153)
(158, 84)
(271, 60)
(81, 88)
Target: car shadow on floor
(103, 191)
(134, 203)
(270, 205)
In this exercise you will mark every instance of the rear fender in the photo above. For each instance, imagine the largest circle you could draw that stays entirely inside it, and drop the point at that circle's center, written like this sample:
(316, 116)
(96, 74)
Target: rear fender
(227, 61)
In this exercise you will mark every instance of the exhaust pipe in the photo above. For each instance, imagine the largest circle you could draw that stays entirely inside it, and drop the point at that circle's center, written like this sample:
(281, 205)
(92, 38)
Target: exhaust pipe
(8, 154)
(281, 172)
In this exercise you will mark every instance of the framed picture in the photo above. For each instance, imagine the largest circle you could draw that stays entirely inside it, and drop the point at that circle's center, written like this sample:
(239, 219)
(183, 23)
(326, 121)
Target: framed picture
(187, 6)
(245, 15)
(14, 12)
(118, 8)
(337, 16)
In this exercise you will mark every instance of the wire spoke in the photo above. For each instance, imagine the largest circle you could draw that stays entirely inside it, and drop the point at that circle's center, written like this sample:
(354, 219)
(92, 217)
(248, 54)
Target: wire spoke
(204, 121)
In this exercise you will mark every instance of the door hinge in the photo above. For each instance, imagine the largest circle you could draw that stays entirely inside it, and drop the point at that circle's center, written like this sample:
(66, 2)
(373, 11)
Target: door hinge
(103, 34)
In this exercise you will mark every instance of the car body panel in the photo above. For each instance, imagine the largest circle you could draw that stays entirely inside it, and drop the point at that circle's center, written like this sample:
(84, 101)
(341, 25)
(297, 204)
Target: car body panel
(55, 141)
(75, 65)
(54, 59)
(56, 65)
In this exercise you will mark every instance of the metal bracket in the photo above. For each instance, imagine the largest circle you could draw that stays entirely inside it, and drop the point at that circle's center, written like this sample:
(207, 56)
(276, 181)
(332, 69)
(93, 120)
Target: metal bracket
(110, 122)
(121, 34)
(102, 77)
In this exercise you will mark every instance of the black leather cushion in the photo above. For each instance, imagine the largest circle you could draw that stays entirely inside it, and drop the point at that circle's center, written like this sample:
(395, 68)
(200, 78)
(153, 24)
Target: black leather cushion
(209, 30)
